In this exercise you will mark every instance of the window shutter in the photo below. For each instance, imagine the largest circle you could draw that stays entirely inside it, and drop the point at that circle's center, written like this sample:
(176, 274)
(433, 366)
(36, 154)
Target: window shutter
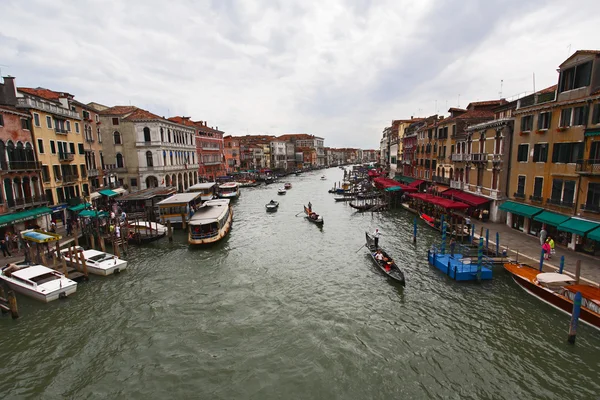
(555, 150)
(549, 119)
(536, 152)
(595, 115)
(540, 120)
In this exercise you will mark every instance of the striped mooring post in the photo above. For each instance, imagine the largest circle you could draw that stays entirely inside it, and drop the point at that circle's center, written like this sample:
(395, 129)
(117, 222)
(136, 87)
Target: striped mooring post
(472, 232)
(487, 239)
(562, 264)
(442, 224)
(415, 230)
(542, 261)
(575, 318)
(497, 244)
(443, 247)
(479, 259)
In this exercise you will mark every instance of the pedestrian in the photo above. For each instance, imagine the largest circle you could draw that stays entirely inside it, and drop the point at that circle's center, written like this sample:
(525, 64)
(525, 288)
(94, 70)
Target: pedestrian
(546, 249)
(376, 236)
(69, 227)
(117, 231)
(551, 243)
(543, 235)
(452, 246)
(4, 248)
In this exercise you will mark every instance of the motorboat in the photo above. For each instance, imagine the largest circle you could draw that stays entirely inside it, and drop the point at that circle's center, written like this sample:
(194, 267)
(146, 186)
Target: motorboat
(229, 190)
(558, 290)
(145, 231)
(38, 282)
(323, 177)
(281, 191)
(287, 186)
(211, 222)
(272, 206)
(97, 262)
(384, 262)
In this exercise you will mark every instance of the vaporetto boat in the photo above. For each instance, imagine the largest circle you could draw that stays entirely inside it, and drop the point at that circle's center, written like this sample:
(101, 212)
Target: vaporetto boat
(211, 222)
(37, 281)
(229, 190)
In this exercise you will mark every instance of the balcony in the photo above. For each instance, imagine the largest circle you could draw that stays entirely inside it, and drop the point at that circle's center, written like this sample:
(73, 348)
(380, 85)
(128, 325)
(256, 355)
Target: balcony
(588, 167)
(89, 140)
(457, 157)
(441, 179)
(20, 165)
(60, 131)
(66, 157)
(518, 195)
(166, 168)
(538, 199)
(595, 208)
(93, 172)
(43, 106)
(560, 203)
(26, 201)
(479, 157)
(70, 178)
(457, 185)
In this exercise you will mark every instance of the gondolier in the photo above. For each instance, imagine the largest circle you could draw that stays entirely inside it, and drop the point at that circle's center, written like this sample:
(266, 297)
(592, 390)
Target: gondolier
(376, 236)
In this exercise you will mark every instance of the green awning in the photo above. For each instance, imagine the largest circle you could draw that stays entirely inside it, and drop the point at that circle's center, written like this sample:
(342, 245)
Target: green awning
(594, 235)
(520, 209)
(578, 226)
(108, 193)
(405, 179)
(551, 218)
(592, 132)
(93, 214)
(21, 216)
(393, 189)
(79, 207)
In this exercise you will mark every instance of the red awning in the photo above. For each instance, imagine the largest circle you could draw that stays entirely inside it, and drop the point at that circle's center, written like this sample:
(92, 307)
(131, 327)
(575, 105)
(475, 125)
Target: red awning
(385, 183)
(470, 199)
(440, 201)
(416, 183)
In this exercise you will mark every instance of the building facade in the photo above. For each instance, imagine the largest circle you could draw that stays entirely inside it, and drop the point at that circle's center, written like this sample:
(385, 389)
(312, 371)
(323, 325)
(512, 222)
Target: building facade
(232, 154)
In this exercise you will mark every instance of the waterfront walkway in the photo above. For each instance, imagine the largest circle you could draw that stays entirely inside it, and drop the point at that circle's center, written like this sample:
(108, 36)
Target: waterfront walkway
(529, 250)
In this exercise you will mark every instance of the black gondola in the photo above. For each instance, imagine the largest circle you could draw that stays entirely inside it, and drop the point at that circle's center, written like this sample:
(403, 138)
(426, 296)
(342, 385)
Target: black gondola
(389, 268)
(313, 216)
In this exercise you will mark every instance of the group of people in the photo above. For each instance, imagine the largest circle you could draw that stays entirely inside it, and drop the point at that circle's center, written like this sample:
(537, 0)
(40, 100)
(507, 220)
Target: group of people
(547, 243)
(11, 242)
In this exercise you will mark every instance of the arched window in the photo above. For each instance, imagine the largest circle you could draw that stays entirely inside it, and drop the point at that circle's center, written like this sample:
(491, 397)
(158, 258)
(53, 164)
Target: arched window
(10, 151)
(162, 134)
(29, 154)
(117, 137)
(169, 135)
(120, 161)
(149, 160)
(2, 153)
(147, 137)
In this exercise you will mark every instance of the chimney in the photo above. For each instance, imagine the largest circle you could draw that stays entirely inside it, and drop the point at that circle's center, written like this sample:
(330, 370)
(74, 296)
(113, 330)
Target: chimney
(8, 92)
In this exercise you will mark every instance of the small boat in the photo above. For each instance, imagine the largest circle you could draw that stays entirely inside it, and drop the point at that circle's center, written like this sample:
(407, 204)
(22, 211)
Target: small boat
(558, 290)
(428, 220)
(37, 281)
(248, 183)
(388, 267)
(344, 198)
(323, 177)
(97, 262)
(269, 180)
(281, 191)
(361, 206)
(229, 190)
(313, 216)
(287, 186)
(211, 222)
(145, 231)
(272, 206)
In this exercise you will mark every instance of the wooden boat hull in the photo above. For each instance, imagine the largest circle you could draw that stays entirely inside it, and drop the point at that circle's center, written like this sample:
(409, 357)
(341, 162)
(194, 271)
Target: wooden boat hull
(361, 207)
(556, 300)
(318, 221)
(143, 239)
(395, 272)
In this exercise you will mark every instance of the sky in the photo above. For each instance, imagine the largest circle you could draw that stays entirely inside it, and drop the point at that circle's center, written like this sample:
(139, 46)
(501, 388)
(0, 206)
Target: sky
(338, 69)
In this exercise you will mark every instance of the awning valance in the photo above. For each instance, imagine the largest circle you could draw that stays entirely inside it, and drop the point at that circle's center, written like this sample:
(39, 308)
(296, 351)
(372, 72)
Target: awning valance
(21, 216)
(524, 210)
(550, 218)
(79, 207)
(578, 226)
(416, 183)
(108, 193)
(465, 197)
(439, 201)
(93, 214)
(592, 132)
(594, 235)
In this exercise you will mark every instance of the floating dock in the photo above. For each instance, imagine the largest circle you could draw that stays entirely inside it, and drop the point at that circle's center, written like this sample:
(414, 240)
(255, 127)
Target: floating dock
(459, 268)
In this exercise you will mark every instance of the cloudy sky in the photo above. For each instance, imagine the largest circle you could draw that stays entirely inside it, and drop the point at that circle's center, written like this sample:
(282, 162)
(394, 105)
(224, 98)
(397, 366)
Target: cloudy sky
(337, 69)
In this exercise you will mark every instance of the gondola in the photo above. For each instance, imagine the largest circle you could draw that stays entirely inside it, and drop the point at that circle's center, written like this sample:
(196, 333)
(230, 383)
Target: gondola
(313, 216)
(272, 206)
(389, 268)
(362, 207)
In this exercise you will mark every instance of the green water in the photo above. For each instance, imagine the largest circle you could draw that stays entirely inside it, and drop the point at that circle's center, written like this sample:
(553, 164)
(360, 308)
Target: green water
(284, 310)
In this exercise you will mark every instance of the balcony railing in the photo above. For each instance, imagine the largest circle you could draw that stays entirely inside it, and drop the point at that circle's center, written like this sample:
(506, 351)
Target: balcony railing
(518, 195)
(66, 156)
(591, 207)
(589, 167)
(60, 131)
(456, 185)
(456, 157)
(70, 178)
(496, 158)
(479, 157)
(40, 105)
(20, 165)
(536, 198)
(93, 172)
(560, 203)
(26, 201)
(89, 140)
(441, 179)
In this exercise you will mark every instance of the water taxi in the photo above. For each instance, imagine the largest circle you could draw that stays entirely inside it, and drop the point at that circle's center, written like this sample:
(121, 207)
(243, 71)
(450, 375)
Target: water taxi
(211, 222)
(281, 190)
(180, 207)
(38, 282)
(207, 190)
(287, 186)
(97, 262)
(229, 190)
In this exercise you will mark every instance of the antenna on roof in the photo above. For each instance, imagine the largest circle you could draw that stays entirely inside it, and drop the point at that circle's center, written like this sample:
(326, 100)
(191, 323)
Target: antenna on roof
(458, 105)
(501, 84)
(569, 50)
(534, 82)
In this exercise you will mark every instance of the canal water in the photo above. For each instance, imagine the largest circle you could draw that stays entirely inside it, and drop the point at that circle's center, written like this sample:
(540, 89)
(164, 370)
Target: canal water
(285, 310)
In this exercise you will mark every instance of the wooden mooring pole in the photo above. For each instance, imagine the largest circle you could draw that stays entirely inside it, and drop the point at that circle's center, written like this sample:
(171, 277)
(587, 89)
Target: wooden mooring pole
(102, 244)
(169, 230)
(574, 318)
(12, 304)
(577, 271)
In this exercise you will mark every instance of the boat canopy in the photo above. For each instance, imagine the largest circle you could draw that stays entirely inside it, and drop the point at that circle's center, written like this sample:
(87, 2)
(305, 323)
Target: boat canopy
(180, 198)
(386, 183)
(201, 186)
(439, 201)
(553, 277)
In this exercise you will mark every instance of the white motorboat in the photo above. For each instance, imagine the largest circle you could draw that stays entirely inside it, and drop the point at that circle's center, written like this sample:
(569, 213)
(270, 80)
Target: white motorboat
(97, 262)
(323, 177)
(281, 191)
(229, 190)
(145, 232)
(272, 206)
(211, 222)
(37, 281)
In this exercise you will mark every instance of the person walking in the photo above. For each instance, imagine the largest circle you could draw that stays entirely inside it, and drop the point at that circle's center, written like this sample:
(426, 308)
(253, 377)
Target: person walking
(550, 241)
(543, 235)
(4, 247)
(376, 236)
(546, 249)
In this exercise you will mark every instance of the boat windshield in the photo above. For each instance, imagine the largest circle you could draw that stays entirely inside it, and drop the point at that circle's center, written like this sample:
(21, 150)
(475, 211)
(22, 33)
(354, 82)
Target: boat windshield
(100, 257)
(41, 279)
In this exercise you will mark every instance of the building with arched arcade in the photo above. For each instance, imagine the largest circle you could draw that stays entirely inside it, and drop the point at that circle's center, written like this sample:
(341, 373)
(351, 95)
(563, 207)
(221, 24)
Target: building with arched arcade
(142, 150)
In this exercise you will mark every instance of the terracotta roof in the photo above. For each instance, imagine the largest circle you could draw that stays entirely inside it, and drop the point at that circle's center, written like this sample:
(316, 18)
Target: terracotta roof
(140, 114)
(486, 103)
(456, 109)
(118, 110)
(44, 93)
(549, 89)
(587, 52)
(295, 136)
(182, 121)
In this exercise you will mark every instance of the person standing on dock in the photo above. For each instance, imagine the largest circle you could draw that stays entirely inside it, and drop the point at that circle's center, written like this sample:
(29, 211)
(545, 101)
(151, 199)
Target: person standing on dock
(4, 247)
(543, 235)
(452, 246)
(376, 236)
